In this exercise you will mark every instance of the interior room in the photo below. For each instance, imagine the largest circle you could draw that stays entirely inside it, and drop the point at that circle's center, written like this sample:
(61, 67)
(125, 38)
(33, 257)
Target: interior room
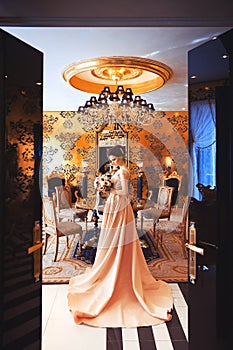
(74, 154)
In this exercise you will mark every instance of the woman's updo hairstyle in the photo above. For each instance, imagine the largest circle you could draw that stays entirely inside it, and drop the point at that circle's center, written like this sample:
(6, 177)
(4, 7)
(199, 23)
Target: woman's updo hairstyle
(116, 151)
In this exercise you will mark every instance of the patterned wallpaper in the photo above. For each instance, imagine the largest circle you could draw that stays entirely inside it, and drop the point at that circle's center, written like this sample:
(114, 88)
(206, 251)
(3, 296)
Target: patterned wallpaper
(66, 147)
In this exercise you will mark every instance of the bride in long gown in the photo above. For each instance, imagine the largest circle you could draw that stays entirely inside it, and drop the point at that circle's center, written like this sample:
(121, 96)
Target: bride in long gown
(119, 290)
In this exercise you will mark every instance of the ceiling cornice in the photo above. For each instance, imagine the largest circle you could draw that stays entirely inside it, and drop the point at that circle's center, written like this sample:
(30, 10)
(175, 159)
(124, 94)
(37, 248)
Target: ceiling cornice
(117, 21)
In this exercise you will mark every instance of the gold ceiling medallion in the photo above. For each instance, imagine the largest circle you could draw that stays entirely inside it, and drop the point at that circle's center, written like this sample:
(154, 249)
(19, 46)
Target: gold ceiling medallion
(138, 73)
(116, 73)
(116, 79)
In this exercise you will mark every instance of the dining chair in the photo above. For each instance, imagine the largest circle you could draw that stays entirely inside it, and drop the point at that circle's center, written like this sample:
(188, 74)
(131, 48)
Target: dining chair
(178, 225)
(63, 203)
(53, 228)
(53, 180)
(161, 209)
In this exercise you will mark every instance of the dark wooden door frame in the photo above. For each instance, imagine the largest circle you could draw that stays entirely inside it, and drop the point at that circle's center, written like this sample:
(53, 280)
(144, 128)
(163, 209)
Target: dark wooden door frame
(51, 15)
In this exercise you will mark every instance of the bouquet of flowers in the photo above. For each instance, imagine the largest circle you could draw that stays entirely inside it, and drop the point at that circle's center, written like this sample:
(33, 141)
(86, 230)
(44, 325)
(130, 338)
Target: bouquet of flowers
(103, 184)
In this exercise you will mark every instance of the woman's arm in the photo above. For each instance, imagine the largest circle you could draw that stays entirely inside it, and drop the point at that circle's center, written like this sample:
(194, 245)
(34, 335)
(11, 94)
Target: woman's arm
(124, 179)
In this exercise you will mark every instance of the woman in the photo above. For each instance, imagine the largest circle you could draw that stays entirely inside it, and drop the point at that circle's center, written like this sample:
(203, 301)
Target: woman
(119, 290)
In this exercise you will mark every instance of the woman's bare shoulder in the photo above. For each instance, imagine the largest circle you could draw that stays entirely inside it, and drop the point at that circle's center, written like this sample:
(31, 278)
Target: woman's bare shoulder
(124, 171)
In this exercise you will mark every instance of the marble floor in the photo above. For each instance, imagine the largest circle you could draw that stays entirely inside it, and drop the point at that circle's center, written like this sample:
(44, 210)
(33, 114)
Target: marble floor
(59, 332)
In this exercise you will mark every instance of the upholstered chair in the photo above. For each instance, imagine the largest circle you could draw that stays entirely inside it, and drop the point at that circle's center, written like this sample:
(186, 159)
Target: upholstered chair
(64, 208)
(161, 209)
(53, 180)
(53, 228)
(178, 225)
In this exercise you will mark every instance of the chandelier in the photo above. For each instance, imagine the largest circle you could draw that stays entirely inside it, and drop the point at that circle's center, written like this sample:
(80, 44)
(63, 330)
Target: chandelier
(112, 108)
(115, 78)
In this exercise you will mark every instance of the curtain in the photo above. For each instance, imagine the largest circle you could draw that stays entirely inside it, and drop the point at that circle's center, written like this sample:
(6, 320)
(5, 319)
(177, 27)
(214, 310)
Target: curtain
(202, 144)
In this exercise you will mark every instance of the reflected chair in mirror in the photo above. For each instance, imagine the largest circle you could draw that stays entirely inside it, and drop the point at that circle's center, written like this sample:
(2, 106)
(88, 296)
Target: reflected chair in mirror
(64, 208)
(160, 210)
(178, 225)
(53, 228)
(53, 180)
(172, 180)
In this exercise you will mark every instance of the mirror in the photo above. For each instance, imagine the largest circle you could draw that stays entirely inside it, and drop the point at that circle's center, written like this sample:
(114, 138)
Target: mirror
(107, 137)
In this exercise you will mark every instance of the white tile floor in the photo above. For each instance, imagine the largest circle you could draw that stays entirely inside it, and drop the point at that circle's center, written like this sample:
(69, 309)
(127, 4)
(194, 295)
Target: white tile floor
(59, 332)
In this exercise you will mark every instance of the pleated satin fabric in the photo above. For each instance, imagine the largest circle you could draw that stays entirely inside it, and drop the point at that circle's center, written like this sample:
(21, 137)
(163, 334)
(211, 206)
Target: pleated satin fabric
(119, 290)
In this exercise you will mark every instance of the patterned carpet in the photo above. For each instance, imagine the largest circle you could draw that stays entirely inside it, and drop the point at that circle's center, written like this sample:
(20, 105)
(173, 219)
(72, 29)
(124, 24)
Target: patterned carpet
(87, 256)
(168, 263)
(172, 266)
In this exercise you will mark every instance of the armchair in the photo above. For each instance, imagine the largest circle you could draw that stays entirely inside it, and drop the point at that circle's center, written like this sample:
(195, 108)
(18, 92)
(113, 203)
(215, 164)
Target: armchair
(52, 227)
(65, 210)
(161, 209)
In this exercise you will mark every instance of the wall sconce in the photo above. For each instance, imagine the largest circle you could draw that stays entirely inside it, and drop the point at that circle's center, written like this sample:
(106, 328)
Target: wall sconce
(140, 163)
(84, 163)
(168, 162)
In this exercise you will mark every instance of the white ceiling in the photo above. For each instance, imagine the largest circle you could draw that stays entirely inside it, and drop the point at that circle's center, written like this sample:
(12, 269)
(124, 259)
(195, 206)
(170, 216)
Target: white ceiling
(62, 46)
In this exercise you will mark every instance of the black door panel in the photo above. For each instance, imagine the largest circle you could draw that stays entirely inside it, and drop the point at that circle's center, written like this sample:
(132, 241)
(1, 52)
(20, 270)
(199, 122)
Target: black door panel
(21, 68)
(210, 292)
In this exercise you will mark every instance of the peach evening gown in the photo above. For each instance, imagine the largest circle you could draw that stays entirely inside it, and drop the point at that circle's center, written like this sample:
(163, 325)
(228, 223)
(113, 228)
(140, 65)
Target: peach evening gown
(119, 290)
